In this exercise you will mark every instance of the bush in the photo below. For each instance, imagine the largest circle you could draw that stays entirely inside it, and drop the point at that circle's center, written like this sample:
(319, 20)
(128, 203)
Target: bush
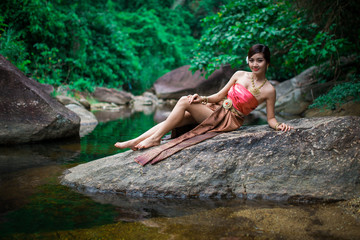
(14, 49)
(341, 93)
(95, 43)
(295, 45)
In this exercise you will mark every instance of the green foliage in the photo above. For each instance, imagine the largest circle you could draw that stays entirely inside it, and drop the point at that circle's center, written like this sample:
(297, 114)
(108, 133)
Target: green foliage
(82, 85)
(13, 48)
(83, 40)
(341, 93)
(200, 10)
(2, 25)
(295, 45)
(131, 6)
(86, 44)
(47, 64)
(129, 44)
(333, 12)
(156, 42)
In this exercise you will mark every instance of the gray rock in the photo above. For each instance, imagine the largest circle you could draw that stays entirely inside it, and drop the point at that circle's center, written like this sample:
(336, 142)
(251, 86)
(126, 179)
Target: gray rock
(49, 89)
(296, 94)
(28, 113)
(110, 95)
(181, 81)
(66, 100)
(108, 115)
(87, 117)
(88, 120)
(146, 103)
(107, 106)
(85, 103)
(319, 159)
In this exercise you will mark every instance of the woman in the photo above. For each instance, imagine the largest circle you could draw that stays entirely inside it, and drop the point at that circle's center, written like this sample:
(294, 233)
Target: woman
(244, 92)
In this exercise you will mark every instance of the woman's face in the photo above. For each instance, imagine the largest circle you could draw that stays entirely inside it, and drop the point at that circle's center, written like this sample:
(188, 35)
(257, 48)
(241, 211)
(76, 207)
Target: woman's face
(257, 63)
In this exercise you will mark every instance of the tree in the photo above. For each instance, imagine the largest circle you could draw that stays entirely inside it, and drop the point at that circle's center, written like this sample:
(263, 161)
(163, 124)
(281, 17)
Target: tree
(86, 44)
(294, 43)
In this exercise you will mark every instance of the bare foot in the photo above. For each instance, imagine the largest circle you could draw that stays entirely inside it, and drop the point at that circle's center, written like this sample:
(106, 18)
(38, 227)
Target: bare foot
(149, 142)
(128, 144)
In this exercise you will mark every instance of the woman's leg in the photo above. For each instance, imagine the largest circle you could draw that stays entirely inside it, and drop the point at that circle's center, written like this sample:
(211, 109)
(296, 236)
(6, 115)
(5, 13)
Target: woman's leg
(182, 114)
(131, 143)
(178, 117)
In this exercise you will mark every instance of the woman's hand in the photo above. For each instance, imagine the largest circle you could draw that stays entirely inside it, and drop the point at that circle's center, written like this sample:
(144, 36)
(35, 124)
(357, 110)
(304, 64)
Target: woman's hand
(284, 127)
(195, 98)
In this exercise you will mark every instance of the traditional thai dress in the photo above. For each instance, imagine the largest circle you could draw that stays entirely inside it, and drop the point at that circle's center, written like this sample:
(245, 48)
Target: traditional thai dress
(227, 117)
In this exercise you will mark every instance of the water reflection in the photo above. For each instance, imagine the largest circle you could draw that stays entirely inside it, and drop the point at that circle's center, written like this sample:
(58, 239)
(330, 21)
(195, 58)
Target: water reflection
(107, 116)
(85, 129)
(22, 156)
(16, 188)
(136, 209)
(26, 167)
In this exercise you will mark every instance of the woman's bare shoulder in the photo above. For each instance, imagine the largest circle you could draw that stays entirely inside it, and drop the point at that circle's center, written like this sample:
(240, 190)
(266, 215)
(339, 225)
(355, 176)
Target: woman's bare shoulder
(241, 77)
(240, 72)
(270, 89)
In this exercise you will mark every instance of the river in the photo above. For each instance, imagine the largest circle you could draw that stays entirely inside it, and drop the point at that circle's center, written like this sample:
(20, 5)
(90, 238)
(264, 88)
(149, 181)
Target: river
(33, 205)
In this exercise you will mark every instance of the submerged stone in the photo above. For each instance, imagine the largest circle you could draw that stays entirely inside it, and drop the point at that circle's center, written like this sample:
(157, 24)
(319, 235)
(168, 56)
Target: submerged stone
(246, 220)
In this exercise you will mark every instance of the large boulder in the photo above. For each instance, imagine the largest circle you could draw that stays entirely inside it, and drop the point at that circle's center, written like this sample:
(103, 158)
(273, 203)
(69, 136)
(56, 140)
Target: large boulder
(296, 94)
(319, 159)
(88, 120)
(110, 95)
(49, 89)
(29, 114)
(182, 81)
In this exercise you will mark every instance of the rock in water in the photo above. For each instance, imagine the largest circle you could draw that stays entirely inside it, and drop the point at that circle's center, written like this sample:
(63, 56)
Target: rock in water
(27, 113)
(88, 120)
(110, 95)
(319, 159)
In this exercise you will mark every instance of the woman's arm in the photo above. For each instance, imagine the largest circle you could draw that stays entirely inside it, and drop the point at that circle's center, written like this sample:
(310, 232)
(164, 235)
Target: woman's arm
(270, 113)
(217, 97)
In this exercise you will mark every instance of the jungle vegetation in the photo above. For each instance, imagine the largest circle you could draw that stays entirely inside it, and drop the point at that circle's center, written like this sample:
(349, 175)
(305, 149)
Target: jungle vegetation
(129, 44)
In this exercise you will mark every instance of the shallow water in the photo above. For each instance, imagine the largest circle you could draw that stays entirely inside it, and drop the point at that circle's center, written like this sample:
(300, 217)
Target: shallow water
(33, 205)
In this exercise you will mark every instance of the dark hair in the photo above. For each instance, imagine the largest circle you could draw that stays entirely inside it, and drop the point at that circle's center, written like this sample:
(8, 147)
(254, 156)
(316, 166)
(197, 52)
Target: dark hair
(260, 48)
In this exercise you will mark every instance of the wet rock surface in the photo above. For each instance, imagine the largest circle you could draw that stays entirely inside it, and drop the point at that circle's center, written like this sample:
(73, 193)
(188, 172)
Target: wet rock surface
(319, 159)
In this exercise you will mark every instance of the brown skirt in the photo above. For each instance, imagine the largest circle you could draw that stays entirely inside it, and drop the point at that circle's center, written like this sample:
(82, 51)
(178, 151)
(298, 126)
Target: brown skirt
(221, 120)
